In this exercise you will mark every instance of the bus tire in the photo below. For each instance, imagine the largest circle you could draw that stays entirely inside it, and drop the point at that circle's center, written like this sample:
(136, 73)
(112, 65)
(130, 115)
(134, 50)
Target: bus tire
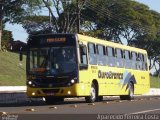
(93, 94)
(130, 95)
(53, 100)
(100, 98)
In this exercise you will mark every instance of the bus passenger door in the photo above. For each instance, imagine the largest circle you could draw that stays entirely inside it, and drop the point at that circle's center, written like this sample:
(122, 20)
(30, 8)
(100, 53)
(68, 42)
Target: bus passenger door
(83, 71)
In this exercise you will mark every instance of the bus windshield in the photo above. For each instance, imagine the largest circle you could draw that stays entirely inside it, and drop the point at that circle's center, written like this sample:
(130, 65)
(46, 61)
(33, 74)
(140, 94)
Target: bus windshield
(53, 61)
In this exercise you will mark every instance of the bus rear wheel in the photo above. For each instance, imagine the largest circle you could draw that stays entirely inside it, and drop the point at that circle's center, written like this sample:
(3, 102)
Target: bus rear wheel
(130, 95)
(93, 94)
(53, 100)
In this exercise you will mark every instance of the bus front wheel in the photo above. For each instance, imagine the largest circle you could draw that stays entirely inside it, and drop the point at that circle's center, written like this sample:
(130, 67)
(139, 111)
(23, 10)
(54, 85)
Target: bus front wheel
(93, 94)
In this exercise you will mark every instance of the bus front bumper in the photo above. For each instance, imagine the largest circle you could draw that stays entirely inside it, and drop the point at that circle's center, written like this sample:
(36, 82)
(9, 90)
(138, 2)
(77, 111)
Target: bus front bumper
(75, 90)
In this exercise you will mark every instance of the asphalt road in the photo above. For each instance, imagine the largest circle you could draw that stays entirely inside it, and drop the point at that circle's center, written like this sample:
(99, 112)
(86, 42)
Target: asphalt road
(77, 109)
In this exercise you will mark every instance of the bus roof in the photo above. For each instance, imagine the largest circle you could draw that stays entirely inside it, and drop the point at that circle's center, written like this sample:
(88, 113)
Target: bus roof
(109, 43)
(94, 40)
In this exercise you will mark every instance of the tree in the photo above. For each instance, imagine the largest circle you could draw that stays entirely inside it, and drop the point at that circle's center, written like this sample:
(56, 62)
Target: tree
(37, 24)
(120, 19)
(14, 11)
(151, 44)
(62, 13)
(65, 15)
(6, 39)
(1, 11)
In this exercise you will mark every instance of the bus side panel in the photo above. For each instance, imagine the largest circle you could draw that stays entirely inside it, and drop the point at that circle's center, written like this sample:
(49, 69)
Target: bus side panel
(102, 83)
(109, 83)
(143, 82)
(84, 81)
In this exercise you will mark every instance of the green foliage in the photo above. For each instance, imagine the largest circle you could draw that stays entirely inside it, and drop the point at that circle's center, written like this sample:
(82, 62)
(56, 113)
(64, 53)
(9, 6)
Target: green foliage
(36, 24)
(14, 11)
(62, 17)
(120, 19)
(6, 38)
(124, 20)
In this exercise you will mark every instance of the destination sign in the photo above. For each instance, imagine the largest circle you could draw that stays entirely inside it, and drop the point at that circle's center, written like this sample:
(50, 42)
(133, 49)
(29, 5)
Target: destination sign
(50, 40)
(53, 40)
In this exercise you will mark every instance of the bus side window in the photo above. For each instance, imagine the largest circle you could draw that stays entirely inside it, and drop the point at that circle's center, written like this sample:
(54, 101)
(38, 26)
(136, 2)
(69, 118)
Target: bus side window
(134, 60)
(139, 59)
(83, 57)
(111, 56)
(92, 54)
(145, 63)
(101, 55)
(119, 59)
(127, 60)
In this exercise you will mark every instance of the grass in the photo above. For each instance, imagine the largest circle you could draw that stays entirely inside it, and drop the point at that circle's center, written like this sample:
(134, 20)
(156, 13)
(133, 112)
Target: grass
(11, 72)
(155, 82)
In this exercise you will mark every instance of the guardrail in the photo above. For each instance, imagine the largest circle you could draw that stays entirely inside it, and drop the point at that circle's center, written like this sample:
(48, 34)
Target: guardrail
(8, 89)
(153, 91)
(13, 94)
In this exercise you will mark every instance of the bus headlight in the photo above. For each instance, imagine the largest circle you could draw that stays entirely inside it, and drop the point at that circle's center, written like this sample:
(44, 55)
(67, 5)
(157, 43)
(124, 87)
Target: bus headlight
(72, 81)
(33, 93)
(29, 82)
(69, 92)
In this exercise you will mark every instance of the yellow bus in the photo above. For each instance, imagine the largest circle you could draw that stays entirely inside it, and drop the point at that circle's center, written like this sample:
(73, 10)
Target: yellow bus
(72, 65)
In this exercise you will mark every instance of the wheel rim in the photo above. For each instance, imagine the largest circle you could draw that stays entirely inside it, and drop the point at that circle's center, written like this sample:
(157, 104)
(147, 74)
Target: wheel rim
(93, 93)
(131, 91)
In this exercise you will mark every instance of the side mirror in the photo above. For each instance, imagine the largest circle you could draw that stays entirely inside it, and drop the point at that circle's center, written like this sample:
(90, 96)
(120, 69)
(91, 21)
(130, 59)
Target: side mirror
(21, 56)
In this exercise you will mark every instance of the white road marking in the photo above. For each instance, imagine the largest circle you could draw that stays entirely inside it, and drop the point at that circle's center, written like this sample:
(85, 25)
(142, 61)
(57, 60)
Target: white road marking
(145, 111)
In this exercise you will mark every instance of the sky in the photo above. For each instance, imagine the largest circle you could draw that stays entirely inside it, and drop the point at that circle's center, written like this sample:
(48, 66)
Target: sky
(20, 34)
